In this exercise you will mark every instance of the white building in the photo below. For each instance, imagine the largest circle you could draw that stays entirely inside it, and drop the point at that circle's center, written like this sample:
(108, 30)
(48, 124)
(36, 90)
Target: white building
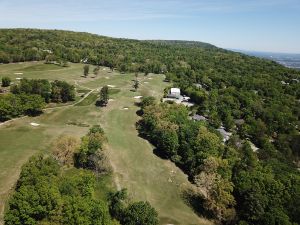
(174, 93)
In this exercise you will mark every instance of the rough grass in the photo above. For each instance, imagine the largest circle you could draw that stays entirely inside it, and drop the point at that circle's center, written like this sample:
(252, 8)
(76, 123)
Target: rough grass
(146, 176)
(113, 91)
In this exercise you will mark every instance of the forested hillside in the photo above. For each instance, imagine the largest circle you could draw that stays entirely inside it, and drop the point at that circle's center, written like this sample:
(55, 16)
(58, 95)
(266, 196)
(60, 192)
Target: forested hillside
(255, 99)
(235, 86)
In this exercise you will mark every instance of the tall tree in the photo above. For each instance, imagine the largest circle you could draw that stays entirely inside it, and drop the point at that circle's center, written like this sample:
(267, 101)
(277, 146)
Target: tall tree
(136, 84)
(104, 96)
(86, 70)
(96, 70)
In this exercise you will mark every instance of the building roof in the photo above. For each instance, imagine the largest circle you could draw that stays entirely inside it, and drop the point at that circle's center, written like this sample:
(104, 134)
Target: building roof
(175, 90)
(199, 118)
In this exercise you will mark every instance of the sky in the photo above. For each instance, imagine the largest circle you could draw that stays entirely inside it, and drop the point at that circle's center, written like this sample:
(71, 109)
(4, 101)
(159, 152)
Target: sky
(255, 25)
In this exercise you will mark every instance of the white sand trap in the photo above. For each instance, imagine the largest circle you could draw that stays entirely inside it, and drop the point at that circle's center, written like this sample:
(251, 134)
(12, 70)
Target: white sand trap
(18, 73)
(106, 77)
(35, 124)
(103, 69)
(125, 108)
(146, 82)
(111, 86)
(150, 78)
(138, 97)
(111, 100)
(19, 78)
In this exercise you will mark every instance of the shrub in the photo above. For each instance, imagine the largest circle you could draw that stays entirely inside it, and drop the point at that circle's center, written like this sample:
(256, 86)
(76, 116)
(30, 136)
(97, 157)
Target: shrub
(6, 81)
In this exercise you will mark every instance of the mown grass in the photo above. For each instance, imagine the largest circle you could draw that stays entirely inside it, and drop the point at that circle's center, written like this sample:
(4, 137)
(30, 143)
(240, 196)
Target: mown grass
(113, 91)
(91, 99)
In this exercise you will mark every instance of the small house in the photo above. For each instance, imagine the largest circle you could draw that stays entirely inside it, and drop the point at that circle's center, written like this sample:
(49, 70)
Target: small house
(174, 93)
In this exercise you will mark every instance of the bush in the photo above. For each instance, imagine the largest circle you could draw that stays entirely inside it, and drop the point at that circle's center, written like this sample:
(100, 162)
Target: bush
(146, 101)
(6, 81)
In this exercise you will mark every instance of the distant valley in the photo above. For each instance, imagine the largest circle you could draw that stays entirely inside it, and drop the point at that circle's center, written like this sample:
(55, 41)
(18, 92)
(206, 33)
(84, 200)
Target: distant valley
(286, 59)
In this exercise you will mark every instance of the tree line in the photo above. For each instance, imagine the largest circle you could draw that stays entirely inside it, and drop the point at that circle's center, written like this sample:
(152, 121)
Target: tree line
(30, 96)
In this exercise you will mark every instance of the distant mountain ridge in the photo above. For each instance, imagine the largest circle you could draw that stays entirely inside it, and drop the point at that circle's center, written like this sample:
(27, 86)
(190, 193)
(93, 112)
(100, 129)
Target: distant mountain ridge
(184, 43)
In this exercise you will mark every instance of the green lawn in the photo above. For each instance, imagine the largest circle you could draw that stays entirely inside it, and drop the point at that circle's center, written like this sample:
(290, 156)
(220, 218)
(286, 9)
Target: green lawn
(146, 176)
(39, 70)
(90, 99)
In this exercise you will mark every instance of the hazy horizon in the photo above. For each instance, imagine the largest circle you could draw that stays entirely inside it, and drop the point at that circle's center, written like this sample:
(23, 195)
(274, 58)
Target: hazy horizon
(249, 25)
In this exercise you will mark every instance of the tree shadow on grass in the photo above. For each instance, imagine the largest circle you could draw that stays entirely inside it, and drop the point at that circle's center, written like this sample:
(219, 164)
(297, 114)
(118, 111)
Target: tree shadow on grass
(100, 103)
(34, 113)
(160, 154)
(140, 111)
(196, 202)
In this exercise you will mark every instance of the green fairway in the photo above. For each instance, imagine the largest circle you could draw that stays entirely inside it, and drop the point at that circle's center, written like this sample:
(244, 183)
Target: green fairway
(146, 176)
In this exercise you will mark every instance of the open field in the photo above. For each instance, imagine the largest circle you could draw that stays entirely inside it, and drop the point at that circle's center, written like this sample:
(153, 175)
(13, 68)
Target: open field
(146, 176)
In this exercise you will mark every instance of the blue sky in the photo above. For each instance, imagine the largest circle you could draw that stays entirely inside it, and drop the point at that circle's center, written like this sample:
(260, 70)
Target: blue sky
(261, 25)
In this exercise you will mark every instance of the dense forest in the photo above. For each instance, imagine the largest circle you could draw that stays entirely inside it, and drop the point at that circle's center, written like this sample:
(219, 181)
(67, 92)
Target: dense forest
(231, 183)
(257, 100)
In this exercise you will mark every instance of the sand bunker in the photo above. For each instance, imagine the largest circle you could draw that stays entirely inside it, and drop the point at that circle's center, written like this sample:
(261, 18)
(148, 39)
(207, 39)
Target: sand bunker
(111, 100)
(106, 77)
(125, 108)
(18, 73)
(35, 124)
(150, 78)
(111, 86)
(19, 78)
(137, 97)
(146, 82)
